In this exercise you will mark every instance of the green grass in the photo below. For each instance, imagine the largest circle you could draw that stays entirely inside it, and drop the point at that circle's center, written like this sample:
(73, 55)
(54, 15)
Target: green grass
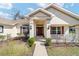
(15, 48)
(63, 51)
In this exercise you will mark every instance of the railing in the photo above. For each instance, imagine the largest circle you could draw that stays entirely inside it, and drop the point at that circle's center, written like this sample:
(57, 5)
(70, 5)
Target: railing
(65, 38)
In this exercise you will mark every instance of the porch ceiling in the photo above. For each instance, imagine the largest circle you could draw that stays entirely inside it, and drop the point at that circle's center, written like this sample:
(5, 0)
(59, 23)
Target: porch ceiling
(39, 22)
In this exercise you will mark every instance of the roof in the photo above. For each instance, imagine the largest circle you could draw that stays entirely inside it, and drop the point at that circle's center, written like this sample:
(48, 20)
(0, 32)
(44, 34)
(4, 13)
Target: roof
(21, 21)
(57, 21)
(4, 21)
(55, 6)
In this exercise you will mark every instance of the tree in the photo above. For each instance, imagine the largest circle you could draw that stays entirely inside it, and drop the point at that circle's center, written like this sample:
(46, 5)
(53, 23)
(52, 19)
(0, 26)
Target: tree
(16, 14)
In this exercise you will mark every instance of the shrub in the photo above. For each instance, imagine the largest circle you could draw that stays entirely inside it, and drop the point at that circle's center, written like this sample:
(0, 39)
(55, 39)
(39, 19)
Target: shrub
(2, 37)
(48, 42)
(19, 34)
(31, 41)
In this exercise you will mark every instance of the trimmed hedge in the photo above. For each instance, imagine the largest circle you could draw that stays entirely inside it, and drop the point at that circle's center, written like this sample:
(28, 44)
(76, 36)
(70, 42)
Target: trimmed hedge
(2, 37)
(31, 41)
(48, 42)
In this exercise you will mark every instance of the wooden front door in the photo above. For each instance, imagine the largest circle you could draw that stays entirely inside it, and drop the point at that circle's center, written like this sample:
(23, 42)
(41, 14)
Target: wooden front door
(40, 31)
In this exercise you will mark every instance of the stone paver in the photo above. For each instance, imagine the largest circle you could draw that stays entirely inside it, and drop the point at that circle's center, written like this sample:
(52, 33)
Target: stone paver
(40, 49)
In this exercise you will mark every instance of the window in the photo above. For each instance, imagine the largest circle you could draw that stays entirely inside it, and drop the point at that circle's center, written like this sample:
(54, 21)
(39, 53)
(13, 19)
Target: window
(1, 29)
(71, 29)
(53, 30)
(57, 30)
(25, 29)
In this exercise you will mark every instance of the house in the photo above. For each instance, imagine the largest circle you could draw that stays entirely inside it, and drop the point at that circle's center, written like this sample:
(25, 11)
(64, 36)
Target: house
(49, 22)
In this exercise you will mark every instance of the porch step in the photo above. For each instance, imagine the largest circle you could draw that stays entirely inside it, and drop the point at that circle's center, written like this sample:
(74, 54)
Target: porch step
(40, 38)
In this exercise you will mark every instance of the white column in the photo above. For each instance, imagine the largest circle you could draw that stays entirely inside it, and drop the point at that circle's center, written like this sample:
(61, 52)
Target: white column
(31, 28)
(77, 32)
(66, 33)
(48, 31)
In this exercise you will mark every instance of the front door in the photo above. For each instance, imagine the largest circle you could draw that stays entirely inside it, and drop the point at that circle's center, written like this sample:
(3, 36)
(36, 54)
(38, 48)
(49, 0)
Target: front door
(40, 31)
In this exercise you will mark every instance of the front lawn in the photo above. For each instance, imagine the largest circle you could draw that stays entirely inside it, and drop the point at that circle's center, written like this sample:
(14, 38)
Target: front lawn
(62, 51)
(15, 48)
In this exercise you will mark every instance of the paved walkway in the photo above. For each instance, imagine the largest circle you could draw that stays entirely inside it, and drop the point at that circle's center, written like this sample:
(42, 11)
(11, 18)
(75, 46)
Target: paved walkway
(40, 49)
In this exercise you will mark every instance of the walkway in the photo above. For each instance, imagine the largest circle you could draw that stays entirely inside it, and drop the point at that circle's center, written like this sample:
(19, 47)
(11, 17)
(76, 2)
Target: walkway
(40, 49)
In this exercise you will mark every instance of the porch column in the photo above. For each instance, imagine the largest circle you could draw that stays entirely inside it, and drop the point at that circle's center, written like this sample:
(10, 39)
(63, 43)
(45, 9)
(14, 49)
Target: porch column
(48, 31)
(77, 32)
(66, 33)
(31, 28)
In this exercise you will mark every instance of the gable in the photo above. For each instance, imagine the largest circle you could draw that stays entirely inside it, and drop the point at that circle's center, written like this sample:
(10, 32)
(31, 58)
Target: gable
(62, 10)
(62, 16)
(41, 13)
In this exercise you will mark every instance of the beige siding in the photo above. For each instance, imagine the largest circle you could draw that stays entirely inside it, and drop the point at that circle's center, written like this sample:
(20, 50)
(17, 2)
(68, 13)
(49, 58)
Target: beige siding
(11, 30)
(6, 30)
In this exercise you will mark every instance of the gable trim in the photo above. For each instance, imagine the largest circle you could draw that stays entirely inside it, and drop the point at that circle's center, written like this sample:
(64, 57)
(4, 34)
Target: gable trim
(40, 10)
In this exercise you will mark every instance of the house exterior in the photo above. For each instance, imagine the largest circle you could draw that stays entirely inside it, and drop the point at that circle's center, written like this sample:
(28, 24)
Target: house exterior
(49, 22)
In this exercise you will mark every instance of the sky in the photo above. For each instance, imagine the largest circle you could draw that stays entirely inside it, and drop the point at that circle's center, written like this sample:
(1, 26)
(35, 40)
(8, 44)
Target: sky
(7, 10)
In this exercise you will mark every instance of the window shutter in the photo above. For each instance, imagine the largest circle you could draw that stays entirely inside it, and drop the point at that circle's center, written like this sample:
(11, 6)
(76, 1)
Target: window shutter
(62, 29)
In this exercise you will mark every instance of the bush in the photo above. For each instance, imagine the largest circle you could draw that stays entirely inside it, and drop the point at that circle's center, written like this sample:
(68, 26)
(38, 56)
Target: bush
(2, 37)
(31, 41)
(19, 34)
(48, 42)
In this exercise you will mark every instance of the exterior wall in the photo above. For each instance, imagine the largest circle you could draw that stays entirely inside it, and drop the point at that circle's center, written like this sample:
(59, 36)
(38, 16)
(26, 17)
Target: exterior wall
(18, 28)
(6, 30)
(9, 31)
(14, 31)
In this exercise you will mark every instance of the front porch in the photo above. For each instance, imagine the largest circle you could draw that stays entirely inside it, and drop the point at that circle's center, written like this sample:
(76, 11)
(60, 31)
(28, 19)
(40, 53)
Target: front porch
(61, 35)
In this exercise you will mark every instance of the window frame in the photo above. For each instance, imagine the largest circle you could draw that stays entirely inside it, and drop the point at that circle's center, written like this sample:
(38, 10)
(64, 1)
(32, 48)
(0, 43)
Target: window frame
(22, 28)
(72, 29)
(57, 30)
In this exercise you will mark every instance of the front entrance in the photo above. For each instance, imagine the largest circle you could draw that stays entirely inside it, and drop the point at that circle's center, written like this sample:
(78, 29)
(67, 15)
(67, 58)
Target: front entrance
(40, 31)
